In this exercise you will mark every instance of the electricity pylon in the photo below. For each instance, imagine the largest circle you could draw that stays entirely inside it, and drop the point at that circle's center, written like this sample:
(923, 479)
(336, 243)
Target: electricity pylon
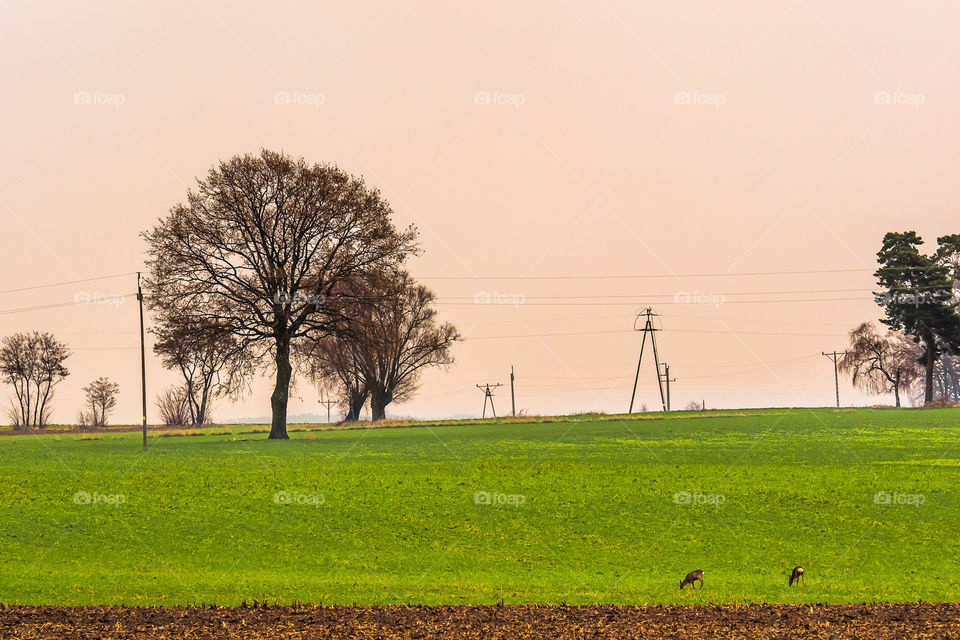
(488, 393)
(648, 327)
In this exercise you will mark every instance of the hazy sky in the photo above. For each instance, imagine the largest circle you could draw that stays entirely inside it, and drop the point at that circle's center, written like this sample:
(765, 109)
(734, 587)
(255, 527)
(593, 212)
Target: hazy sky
(523, 139)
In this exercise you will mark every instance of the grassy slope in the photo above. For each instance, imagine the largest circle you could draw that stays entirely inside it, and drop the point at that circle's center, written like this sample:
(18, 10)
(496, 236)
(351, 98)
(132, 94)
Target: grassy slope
(399, 522)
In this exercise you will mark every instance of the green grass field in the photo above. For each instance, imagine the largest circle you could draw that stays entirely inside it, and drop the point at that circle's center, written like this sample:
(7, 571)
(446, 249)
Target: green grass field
(580, 511)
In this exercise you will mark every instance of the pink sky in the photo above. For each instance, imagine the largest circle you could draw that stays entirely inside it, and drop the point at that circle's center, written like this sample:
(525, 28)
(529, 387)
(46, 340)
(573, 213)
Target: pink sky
(621, 138)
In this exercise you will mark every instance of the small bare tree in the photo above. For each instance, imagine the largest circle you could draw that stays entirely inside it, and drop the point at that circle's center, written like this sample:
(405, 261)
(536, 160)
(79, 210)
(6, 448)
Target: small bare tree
(174, 407)
(209, 358)
(881, 363)
(336, 361)
(101, 399)
(693, 405)
(33, 364)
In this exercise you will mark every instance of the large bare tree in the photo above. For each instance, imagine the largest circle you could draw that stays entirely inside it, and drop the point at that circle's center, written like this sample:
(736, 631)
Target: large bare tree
(260, 248)
(881, 363)
(392, 335)
(33, 364)
(404, 337)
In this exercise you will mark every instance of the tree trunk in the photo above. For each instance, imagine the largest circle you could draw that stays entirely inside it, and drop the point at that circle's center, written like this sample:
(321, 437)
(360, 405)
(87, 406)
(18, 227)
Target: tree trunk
(27, 421)
(204, 399)
(192, 404)
(378, 404)
(356, 403)
(21, 420)
(928, 382)
(281, 392)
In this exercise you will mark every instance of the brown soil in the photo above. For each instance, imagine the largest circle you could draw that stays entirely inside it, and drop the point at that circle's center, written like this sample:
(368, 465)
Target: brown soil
(861, 621)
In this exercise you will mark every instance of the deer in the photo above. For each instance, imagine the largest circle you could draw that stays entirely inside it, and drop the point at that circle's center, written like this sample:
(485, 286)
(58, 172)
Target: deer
(796, 575)
(692, 578)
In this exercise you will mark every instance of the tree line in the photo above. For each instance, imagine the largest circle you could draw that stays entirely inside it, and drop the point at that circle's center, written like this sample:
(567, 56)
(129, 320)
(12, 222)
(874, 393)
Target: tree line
(919, 354)
(34, 363)
(273, 264)
(270, 264)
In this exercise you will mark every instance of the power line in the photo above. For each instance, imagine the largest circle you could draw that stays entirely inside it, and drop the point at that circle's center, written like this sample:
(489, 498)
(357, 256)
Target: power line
(762, 363)
(60, 284)
(661, 275)
(634, 304)
(612, 331)
(670, 295)
(56, 305)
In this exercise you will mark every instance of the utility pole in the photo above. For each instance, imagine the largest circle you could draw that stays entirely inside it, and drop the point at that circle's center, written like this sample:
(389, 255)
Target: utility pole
(667, 379)
(648, 327)
(834, 356)
(143, 363)
(513, 400)
(488, 393)
(328, 402)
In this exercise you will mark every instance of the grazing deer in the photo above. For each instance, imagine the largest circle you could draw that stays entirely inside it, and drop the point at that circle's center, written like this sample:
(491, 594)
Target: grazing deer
(796, 575)
(693, 577)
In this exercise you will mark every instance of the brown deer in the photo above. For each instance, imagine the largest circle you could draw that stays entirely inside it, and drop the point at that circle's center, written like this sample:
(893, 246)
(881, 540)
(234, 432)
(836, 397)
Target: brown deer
(691, 578)
(796, 575)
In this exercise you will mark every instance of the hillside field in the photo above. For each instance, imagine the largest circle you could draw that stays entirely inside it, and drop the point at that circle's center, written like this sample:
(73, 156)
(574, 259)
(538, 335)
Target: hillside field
(578, 510)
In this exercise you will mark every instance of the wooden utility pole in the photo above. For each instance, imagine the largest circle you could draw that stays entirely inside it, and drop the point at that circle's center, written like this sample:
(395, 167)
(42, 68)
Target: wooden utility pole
(834, 356)
(667, 379)
(143, 363)
(328, 402)
(513, 400)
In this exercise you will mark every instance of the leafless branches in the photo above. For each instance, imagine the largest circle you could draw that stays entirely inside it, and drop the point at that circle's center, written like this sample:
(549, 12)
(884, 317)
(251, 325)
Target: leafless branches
(260, 249)
(101, 399)
(881, 363)
(391, 336)
(33, 364)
